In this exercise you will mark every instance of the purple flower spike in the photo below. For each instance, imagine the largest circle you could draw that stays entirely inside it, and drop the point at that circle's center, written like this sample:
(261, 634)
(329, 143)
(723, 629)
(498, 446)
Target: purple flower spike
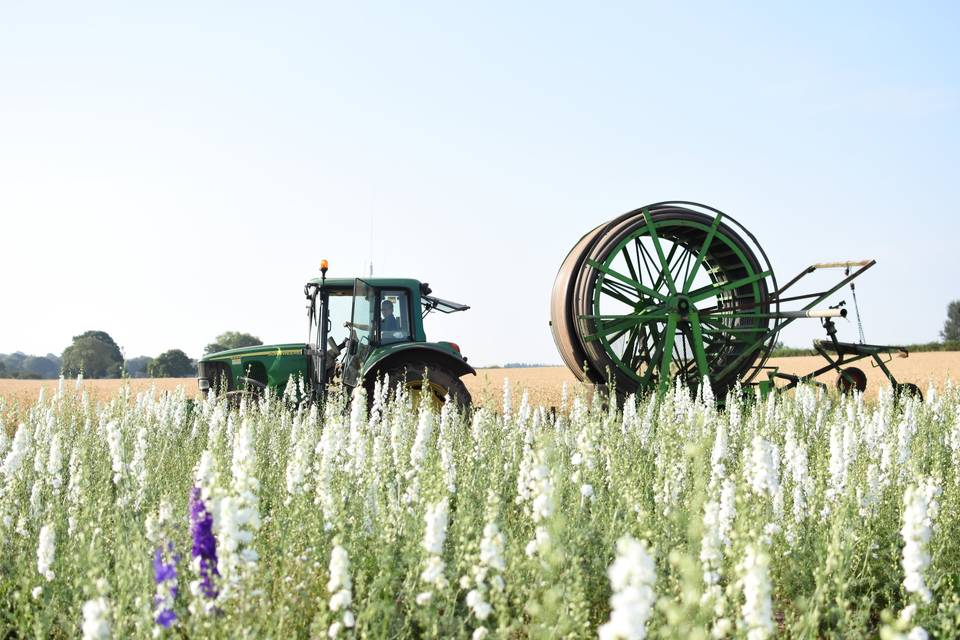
(165, 575)
(163, 571)
(166, 618)
(204, 544)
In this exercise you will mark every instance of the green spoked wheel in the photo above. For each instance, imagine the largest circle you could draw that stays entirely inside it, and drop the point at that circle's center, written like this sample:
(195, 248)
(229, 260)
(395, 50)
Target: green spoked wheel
(669, 291)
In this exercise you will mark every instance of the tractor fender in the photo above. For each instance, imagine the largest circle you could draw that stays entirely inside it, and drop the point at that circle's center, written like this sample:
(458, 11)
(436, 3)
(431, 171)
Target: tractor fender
(387, 357)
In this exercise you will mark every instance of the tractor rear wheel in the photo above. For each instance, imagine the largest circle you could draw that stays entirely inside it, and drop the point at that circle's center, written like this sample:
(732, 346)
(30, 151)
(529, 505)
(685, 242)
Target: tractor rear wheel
(440, 383)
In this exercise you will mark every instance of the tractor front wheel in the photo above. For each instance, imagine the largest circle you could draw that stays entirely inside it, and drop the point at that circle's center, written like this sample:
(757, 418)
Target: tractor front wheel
(440, 383)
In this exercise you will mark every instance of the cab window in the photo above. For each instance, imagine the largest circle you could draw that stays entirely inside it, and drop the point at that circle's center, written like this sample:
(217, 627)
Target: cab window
(341, 306)
(394, 316)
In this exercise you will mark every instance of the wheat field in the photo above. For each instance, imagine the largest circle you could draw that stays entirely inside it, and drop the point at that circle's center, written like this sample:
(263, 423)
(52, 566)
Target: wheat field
(544, 384)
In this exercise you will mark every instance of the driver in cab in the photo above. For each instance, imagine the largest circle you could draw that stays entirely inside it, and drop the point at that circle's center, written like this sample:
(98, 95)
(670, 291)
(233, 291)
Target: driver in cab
(388, 321)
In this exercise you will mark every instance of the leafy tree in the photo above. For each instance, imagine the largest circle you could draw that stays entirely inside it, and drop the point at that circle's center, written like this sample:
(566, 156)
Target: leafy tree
(95, 353)
(232, 340)
(137, 367)
(172, 364)
(3, 369)
(951, 328)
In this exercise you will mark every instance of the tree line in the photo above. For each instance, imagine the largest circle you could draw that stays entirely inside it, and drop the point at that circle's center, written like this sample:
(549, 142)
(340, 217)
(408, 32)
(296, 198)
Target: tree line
(97, 355)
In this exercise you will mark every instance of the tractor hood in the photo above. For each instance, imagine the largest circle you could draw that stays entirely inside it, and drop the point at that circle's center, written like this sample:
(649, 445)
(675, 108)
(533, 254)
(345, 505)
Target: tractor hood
(261, 351)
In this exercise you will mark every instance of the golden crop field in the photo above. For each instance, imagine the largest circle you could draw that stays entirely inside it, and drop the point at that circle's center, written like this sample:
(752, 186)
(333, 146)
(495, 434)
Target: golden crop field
(543, 384)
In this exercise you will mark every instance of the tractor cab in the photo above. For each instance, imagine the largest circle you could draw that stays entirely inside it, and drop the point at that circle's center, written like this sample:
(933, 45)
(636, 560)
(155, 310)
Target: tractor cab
(363, 328)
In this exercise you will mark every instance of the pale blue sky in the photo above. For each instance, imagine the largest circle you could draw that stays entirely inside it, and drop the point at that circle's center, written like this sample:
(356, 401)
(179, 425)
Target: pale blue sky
(171, 171)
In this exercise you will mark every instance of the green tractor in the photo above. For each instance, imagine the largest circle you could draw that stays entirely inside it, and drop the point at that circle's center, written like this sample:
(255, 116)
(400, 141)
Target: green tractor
(359, 331)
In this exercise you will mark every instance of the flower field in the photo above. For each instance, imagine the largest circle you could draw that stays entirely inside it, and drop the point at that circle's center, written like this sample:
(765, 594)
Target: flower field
(806, 515)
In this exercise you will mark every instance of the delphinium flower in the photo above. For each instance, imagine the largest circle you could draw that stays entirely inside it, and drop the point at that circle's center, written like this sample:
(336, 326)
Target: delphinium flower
(74, 491)
(711, 551)
(435, 534)
(806, 400)
(36, 500)
(584, 458)
(905, 430)
(717, 521)
(340, 588)
(670, 479)
(633, 577)
(138, 466)
(524, 412)
(920, 508)
(851, 439)
(718, 455)
(445, 446)
(507, 407)
(541, 505)
(797, 472)
(902, 628)
(764, 467)
(397, 411)
(418, 452)
(46, 549)
(327, 456)
(22, 444)
(54, 475)
(478, 426)
(290, 390)
(203, 554)
(96, 619)
(757, 610)
(239, 514)
(165, 561)
(486, 575)
(629, 418)
(4, 438)
(115, 447)
(705, 393)
(357, 434)
(528, 460)
(869, 496)
(953, 439)
(875, 429)
(376, 405)
(45, 429)
(216, 422)
(298, 464)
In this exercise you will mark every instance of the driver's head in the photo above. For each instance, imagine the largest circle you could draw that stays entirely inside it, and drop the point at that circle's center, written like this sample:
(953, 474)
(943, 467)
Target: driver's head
(386, 308)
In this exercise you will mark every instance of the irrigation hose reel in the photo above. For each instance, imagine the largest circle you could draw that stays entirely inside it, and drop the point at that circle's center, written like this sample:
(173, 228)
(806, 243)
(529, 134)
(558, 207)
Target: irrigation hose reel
(680, 292)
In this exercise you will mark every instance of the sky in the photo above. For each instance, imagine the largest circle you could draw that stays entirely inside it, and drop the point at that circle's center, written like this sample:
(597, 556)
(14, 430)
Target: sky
(169, 171)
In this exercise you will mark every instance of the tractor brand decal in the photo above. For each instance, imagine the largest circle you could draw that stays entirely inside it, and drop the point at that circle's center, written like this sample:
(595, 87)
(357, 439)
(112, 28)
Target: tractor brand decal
(277, 353)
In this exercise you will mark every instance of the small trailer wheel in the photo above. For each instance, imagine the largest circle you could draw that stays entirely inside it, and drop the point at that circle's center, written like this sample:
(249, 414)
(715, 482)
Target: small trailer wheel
(851, 378)
(236, 397)
(907, 389)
